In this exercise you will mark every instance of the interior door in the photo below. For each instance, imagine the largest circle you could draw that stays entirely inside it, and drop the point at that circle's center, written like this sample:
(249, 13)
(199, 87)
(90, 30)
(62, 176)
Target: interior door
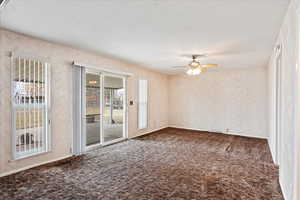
(113, 108)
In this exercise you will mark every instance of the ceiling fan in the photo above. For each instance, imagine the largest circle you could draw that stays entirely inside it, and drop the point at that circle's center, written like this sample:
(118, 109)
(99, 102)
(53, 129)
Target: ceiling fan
(195, 67)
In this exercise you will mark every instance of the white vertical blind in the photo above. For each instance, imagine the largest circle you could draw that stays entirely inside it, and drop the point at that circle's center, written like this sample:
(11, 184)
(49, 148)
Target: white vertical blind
(30, 92)
(79, 82)
(143, 104)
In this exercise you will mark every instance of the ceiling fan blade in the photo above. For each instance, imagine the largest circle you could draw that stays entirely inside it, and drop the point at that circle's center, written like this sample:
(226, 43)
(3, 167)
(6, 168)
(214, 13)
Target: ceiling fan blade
(209, 65)
(203, 69)
(179, 67)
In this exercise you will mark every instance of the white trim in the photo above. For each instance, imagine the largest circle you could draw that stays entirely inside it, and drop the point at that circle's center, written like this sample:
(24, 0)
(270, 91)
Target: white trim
(48, 101)
(102, 69)
(195, 129)
(278, 102)
(125, 125)
(270, 147)
(282, 189)
(244, 134)
(77, 110)
(83, 110)
(147, 132)
(13, 122)
(46, 106)
(113, 141)
(102, 75)
(114, 75)
(139, 104)
(126, 107)
(30, 56)
(102, 107)
(30, 154)
(296, 183)
(92, 147)
(231, 132)
(34, 165)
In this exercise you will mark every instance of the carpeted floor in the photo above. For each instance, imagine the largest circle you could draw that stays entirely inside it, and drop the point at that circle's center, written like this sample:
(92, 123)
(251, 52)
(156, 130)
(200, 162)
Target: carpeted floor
(168, 164)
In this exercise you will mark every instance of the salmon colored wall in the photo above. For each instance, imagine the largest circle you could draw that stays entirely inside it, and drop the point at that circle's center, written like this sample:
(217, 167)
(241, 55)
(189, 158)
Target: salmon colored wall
(61, 58)
(232, 101)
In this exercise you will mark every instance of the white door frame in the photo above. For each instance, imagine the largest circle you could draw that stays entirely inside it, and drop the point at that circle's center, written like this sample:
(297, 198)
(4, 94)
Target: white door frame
(278, 103)
(125, 117)
(102, 74)
(91, 71)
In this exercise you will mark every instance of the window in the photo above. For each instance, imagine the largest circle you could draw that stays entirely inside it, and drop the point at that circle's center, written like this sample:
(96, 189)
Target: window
(143, 104)
(30, 105)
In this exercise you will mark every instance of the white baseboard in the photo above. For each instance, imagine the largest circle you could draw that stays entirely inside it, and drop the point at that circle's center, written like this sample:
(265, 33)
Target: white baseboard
(271, 150)
(187, 128)
(282, 190)
(245, 134)
(32, 166)
(231, 132)
(147, 132)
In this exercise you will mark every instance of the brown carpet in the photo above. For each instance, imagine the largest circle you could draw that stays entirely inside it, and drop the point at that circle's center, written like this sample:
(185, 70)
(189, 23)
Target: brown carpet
(168, 164)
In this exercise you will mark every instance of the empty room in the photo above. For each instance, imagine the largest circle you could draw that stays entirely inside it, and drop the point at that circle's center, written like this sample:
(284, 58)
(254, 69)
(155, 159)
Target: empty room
(149, 99)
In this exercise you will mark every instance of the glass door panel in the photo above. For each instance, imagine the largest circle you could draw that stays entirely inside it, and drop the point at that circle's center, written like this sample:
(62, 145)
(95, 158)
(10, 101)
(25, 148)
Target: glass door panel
(113, 107)
(93, 108)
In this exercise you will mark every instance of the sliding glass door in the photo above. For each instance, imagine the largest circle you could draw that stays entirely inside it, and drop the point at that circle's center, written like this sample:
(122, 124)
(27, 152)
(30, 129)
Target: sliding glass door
(92, 108)
(113, 107)
(104, 99)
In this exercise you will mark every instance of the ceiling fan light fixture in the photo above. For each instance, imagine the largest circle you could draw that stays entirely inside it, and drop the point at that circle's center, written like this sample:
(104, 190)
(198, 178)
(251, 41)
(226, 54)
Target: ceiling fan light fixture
(190, 72)
(194, 71)
(197, 71)
(195, 67)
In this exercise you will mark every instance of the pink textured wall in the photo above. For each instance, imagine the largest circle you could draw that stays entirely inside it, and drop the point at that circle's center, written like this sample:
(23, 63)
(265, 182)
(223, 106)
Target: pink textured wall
(61, 58)
(230, 101)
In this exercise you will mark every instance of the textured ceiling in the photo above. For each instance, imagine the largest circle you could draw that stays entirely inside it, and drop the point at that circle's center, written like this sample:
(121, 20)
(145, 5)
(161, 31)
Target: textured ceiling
(158, 34)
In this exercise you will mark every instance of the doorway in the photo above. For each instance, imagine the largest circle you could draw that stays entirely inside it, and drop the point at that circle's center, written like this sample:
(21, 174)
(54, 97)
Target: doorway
(104, 113)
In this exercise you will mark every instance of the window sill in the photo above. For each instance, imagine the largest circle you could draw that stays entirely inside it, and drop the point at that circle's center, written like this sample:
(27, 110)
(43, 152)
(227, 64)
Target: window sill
(29, 154)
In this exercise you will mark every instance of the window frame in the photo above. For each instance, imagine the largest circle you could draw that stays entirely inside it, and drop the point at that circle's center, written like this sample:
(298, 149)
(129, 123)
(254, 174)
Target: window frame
(46, 105)
(146, 105)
